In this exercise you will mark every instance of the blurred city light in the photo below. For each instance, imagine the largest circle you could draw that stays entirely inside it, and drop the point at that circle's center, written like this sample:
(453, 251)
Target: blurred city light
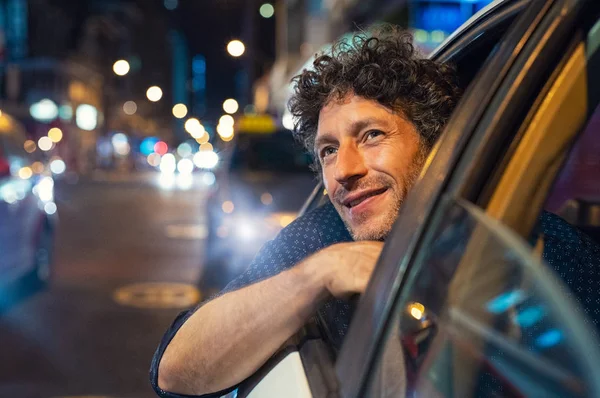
(44, 110)
(161, 147)
(29, 146)
(287, 120)
(147, 145)
(236, 48)
(208, 178)
(207, 146)
(86, 117)
(37, 167)
(25, 173)
(266, 198)
(184, 150)
(185, 181)
(267, 10)
(168, 164)
(226, 120)
(58, 166)
(171, 4)
(55, 134)
(230, 105)
(225, 131)
(246, 230)
(206, 159)
(45, 143)
(185, 166)
(65, 112)
(166, 181)
(180, 111)
(45, 189)
(121, 67)
(130, 108)
(50, 208)
(194, 127)
(121, 144)
(154, 159)
(227, 207)
(154, 93)
(416, 310)
(203, 138)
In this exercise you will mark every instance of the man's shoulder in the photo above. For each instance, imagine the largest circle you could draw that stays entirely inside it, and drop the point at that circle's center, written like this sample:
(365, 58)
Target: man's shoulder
(324, 222)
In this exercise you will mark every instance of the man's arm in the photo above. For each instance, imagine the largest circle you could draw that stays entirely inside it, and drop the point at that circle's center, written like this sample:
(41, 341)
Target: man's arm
(229, 338)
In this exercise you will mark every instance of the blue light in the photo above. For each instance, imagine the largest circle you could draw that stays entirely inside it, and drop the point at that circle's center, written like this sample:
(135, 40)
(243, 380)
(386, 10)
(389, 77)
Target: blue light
(199, 64)
(147, 145)
(529, 316)
(505, 301)
(550, 338)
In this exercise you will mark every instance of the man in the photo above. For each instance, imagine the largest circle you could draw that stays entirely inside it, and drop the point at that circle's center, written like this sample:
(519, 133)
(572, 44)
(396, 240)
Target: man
(369, 111)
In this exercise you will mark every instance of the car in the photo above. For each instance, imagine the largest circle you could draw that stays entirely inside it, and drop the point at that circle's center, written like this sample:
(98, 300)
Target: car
(263, 180)
(27, 212)
(460, 303)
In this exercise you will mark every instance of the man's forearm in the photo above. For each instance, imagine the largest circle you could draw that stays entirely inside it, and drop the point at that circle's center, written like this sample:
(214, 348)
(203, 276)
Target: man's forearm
(229, 338)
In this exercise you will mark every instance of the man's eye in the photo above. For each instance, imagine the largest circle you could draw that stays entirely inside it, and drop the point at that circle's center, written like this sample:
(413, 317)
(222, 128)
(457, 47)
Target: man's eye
(373, 133)
(327, 151)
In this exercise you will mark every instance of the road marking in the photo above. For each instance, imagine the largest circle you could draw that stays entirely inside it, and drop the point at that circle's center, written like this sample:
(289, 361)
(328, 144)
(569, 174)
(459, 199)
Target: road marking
(157, 295)
(186, 231)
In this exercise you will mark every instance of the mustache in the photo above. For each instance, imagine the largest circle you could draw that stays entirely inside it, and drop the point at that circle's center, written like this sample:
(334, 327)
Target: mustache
(377, 182)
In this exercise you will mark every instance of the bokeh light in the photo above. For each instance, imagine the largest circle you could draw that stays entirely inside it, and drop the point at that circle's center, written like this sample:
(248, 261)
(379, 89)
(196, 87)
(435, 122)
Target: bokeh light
(130, 108)
(226, 120)
(153, 159)
(154, 93)
(230, 105)
(180, 111)
(235, 48)
(168, 164)
(267, 10)
(55, 134)
(184, 150)
(45, 144)
(58, 166)
(171, 4)
(206, 159)
(37, 167)
(207, 146)
(161, 147)
(25, 173)
(185, 166)
(225, 131)
(121, 67)
(29, 146)
(228, 207)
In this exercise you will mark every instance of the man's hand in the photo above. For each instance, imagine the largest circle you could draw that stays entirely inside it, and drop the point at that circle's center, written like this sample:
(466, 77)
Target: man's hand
(346, 267)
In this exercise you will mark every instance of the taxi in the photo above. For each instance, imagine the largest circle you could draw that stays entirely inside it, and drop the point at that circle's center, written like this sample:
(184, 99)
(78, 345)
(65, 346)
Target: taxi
(461, 303)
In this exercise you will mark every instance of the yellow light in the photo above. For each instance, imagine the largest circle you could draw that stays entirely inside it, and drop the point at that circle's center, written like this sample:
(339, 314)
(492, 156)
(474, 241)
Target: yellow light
(130, 108)
(25, 173)
(55, 134)
(194, 127)
(416, 310)
(154, 93)
(225, 131)
(284, 221)
(29, 146)
(227, 139)
(207, 146)
(180, 111)
(203, 139)
(121, 67)
(226, 120)
(437, 36)
(235, 48)
(266, 198)
(227, 207)
(45, 143)
(37, 167)
(230, 105)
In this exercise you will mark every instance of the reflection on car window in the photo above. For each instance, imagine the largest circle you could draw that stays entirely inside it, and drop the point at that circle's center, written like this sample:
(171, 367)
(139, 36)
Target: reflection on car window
(479, 316)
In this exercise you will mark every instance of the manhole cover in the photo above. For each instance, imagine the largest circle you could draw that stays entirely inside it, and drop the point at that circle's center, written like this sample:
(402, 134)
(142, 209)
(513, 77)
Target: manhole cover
(158, 295)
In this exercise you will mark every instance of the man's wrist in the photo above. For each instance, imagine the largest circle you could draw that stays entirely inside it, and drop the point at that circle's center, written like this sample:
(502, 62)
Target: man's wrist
(312, 277)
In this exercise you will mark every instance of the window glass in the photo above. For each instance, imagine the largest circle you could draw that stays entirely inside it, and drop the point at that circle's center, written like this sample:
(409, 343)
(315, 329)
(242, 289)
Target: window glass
(480, 316)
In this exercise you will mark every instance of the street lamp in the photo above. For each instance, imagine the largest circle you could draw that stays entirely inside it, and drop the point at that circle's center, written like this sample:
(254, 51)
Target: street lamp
(121, 67)
(154, 93)
(235, 48)
(230, 106)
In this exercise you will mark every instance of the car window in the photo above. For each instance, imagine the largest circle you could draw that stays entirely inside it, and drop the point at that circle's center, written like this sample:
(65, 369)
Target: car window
(481, 316)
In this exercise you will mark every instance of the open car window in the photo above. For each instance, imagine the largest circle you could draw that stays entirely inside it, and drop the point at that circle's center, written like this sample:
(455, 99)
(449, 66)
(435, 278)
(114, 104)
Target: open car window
(481, 316)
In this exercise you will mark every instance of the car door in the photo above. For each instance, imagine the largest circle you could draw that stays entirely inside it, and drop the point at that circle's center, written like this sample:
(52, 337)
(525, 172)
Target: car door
(498, 157)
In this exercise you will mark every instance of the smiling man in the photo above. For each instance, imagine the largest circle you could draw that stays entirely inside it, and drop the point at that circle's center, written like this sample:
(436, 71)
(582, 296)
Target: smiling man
(370, 111)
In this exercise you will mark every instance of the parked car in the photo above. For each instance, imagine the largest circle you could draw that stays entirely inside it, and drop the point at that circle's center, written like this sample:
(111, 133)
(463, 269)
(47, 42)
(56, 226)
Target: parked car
(27, 211)
(460, 303)
(263, 181)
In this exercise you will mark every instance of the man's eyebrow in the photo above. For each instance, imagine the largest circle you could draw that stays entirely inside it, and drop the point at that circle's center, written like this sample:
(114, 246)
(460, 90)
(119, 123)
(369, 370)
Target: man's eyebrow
(355, 128)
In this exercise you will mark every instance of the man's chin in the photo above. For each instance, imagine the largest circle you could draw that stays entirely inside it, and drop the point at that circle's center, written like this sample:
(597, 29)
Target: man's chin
(368, 232)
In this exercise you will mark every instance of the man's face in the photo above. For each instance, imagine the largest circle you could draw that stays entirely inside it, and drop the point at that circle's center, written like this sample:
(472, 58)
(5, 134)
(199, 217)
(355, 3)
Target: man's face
(370, 157)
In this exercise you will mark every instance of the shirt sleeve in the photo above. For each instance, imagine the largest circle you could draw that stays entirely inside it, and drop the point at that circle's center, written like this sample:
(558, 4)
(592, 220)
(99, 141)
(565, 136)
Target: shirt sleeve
(292, 245)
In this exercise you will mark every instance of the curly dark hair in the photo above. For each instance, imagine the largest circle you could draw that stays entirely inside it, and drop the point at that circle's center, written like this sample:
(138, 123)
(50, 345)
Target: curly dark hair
(384, 66)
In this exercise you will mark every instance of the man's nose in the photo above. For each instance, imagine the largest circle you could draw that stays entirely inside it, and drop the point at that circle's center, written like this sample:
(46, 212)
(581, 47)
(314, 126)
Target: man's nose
(350, 164)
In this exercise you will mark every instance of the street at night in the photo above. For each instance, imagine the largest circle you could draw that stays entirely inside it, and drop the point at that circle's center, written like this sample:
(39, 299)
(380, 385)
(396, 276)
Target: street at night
(75, 338)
